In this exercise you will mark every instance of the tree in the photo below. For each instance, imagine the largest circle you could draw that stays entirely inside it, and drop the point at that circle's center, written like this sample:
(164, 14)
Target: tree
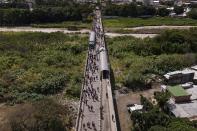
(193, 13)
(134, 81)
(178, 124)
(157, 128)
(147, 105)
(145, 120)
(163, 12)
(178, 9)
(150, 10)
(162, 98)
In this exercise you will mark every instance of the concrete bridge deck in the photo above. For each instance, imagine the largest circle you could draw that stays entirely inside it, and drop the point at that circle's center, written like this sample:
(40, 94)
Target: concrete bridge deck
(96, 109)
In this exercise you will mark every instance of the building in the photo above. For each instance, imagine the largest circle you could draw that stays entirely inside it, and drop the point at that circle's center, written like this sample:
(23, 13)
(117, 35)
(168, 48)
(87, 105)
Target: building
(179, 95)
(179, 77)
(185, 109)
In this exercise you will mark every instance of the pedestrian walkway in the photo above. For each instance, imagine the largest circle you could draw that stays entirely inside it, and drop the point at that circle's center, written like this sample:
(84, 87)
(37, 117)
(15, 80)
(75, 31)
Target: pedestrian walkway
(96, 111)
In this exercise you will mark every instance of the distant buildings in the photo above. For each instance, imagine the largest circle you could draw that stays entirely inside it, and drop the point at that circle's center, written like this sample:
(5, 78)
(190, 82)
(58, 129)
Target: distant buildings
(157, 3)
(145, 2)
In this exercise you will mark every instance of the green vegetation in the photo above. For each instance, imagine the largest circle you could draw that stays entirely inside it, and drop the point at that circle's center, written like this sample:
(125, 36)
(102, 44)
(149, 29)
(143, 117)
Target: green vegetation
(178, 9)
(121, 22)
(147, 105)
(66, 14)
(134, 61)
(193, 13)
(133, 22)
(163, 12)
(162, 98)
(20, 17)
(14, 4)
(37, 64)
(154, 119)
(177, 91)
(67, 24)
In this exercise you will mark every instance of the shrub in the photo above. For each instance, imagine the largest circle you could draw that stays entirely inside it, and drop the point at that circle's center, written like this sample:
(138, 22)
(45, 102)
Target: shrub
(178, 9)
(40, 116)
(163, 12)
(38, 64)
(193, 13)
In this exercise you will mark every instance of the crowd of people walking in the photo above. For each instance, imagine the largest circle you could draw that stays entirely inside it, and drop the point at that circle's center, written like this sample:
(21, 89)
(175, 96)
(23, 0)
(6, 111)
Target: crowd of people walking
(91, 92)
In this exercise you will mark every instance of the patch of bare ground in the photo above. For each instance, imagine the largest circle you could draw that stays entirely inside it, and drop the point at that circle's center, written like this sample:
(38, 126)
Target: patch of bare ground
(131, 98)
(5, 112)
(10, 114)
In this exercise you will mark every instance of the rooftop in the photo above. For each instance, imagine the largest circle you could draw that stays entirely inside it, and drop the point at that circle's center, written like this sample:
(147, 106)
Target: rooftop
(194, 67)
(184, 71)
(183, 110)
(193, 92)
(177, 91)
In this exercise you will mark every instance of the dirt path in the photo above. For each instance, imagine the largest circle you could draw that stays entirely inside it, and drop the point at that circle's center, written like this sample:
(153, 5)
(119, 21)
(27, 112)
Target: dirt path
(83, 31)
(45, 30)
(111, 35)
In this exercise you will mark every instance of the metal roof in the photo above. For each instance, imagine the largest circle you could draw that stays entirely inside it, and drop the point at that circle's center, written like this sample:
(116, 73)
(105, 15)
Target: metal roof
(177, 91)
(184, 109)
(103, 61)
(179, 72)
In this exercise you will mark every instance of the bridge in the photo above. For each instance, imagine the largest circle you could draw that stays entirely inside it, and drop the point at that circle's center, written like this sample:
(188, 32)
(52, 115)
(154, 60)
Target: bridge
(96, 109)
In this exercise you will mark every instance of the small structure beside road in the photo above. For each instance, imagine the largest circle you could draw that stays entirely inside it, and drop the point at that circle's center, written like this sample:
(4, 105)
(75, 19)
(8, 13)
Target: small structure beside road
(135, 107)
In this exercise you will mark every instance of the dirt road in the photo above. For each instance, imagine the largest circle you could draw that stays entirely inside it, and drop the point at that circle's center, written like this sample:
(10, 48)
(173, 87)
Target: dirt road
(111, 35)
(85, 31)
